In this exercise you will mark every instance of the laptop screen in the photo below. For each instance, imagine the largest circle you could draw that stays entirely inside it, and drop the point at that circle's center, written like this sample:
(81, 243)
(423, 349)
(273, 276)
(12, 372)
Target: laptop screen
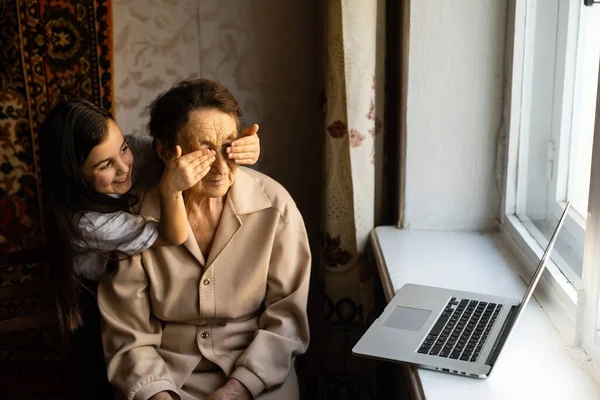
(542, 264)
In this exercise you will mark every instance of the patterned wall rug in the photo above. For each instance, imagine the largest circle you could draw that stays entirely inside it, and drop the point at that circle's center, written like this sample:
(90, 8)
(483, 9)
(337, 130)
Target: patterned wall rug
(49, 51)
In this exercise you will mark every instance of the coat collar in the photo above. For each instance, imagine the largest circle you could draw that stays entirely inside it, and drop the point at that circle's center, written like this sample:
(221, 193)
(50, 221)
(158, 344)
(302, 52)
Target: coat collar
(244, 197)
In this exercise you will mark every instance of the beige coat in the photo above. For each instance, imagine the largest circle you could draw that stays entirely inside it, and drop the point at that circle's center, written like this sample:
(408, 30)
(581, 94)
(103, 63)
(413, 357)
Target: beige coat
(168, 311)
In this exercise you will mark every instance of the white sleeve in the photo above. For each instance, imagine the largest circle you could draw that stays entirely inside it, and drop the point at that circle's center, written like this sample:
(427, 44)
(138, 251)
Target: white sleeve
(119, 231)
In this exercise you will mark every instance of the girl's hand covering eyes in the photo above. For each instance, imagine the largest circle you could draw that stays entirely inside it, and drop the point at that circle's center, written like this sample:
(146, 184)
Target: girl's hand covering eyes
(245, 150)
(183, 172)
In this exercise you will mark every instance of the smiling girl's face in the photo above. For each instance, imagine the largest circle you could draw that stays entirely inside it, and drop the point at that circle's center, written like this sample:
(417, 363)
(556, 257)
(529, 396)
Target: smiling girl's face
(107, 169)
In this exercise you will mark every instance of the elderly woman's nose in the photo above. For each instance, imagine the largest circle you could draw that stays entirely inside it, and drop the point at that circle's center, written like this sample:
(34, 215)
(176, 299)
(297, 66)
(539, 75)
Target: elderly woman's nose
(220, 163)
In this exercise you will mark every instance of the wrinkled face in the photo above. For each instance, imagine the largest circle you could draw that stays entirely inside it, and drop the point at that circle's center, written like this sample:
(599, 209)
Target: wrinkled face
(107, 169)
(215, 130)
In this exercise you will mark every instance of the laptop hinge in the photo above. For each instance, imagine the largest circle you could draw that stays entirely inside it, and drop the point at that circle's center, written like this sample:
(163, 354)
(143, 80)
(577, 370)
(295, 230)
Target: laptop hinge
(504, 331)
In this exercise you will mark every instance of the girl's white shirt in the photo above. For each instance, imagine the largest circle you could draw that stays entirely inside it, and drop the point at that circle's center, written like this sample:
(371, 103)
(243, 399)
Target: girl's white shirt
(103, 234)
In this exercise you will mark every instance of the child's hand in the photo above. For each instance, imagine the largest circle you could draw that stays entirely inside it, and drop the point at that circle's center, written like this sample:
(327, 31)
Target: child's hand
(245, 150)
(183, 172)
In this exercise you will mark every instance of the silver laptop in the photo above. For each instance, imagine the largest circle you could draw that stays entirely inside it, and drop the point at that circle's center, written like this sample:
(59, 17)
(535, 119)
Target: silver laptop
(448, 330)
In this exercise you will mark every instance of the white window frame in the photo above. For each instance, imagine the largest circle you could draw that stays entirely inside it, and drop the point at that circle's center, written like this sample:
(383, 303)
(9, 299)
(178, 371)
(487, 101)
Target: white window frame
(553, 92)
(574, 310)
(562, 122)
(588, 319)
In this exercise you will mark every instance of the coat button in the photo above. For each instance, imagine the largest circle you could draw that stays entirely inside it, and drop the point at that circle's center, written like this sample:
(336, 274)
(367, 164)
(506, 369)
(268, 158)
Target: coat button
(204, 335)
(206, 282)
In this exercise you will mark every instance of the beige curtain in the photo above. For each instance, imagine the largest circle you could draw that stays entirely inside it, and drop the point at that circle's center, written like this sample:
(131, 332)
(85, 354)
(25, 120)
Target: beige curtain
(355, 35)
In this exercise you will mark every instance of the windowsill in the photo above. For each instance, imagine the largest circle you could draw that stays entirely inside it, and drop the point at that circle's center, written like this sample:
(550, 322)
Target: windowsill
(536, 362)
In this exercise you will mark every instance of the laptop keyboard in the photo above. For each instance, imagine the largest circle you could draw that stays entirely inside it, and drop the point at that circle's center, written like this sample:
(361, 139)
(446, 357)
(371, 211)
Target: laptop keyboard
(462, 330)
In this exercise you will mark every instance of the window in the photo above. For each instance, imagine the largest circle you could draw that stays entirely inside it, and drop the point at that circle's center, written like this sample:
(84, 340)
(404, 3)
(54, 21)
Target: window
(552, 108)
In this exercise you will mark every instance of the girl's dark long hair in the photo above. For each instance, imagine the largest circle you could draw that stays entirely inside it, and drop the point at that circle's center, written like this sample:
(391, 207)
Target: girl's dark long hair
(67, 136)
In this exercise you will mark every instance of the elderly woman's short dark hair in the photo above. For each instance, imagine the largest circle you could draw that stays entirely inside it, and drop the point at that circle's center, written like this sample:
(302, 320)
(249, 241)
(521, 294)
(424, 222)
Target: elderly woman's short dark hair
(170, 111)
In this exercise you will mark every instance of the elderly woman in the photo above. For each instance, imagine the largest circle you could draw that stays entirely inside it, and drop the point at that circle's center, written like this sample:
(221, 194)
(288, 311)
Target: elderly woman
(224, 315)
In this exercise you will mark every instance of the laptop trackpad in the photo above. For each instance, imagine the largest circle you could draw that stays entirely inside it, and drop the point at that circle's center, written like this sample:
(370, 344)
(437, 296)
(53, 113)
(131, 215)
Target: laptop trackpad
(411, 319)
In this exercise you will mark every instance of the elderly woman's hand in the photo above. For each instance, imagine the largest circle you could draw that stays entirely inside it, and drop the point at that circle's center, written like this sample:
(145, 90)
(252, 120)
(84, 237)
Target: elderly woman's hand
(232, 390)
(245, 150)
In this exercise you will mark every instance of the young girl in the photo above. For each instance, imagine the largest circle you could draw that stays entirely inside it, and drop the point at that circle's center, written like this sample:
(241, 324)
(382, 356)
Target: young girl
(88, 170)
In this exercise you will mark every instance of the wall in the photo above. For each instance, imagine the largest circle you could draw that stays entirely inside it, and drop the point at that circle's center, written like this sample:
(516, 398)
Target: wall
(264, 51)
(454, 113)
(156, 45)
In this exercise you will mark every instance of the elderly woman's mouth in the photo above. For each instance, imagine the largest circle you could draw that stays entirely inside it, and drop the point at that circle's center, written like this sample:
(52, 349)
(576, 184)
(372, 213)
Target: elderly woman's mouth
(220, 181)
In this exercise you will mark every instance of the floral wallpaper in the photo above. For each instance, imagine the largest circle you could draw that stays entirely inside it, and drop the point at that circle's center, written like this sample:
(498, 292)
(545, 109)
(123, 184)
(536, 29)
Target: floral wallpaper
(156, 44)
(266, 52)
